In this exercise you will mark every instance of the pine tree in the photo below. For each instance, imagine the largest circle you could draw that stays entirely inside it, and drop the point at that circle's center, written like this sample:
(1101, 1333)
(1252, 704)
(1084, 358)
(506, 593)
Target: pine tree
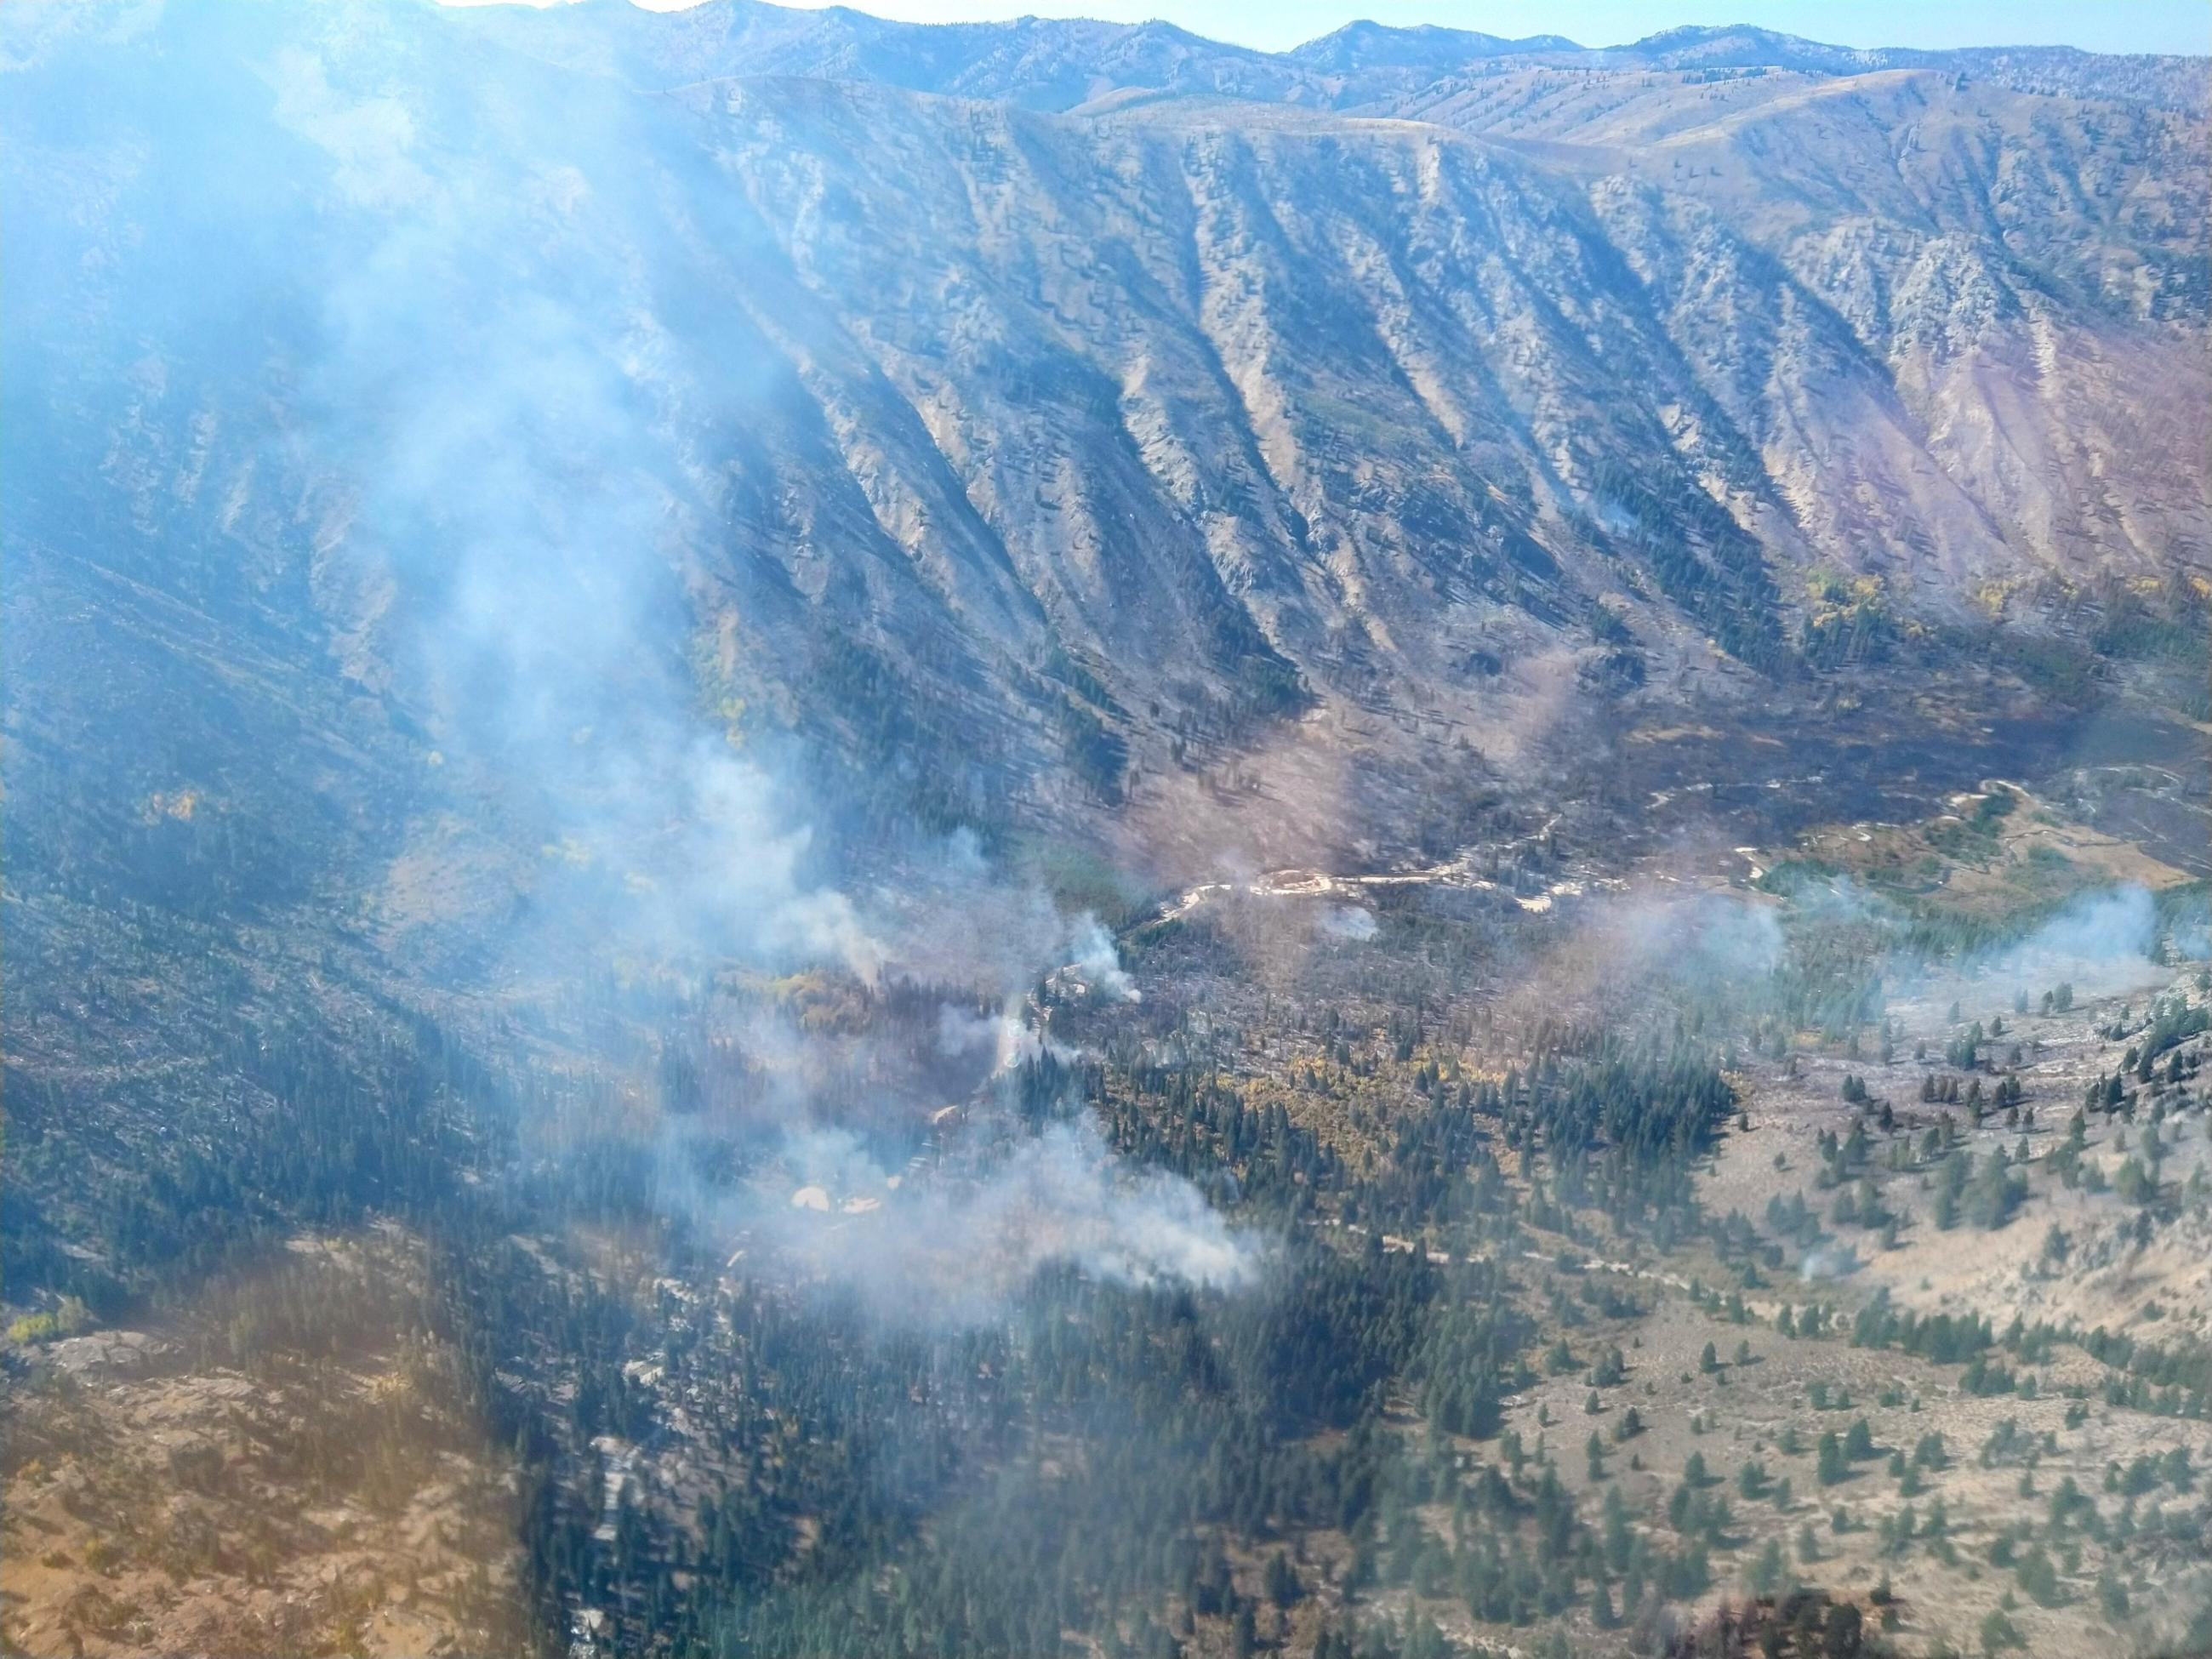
(1832, 1468)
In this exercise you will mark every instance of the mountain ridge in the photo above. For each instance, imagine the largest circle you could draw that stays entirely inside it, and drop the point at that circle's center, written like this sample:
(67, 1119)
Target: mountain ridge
(1045, 62)
(1240, 406)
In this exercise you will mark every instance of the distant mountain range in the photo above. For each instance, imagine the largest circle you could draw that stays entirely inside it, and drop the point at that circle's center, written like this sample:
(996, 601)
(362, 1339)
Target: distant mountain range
(1032, 417)
(1057, 64)
(1059, 401)
(436, 437)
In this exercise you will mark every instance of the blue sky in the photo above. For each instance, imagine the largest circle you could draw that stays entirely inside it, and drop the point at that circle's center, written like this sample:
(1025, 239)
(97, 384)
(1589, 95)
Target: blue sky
(2097, 25)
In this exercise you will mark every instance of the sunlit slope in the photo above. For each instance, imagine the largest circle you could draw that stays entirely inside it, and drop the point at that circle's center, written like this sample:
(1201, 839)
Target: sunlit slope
(1098, 431)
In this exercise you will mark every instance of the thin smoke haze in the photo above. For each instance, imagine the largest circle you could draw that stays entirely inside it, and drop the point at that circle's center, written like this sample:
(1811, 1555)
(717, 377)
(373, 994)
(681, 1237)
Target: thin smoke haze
(535, 491)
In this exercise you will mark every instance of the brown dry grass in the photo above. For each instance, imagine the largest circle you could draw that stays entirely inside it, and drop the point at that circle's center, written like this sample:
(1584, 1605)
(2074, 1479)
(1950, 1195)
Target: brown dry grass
(160, 1502)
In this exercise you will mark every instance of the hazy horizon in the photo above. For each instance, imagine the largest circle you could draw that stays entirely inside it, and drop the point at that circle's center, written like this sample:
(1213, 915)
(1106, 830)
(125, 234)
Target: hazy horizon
(2164, 26)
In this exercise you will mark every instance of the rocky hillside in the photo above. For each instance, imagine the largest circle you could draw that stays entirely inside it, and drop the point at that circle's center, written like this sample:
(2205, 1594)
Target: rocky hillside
(1103, 430)
(1212, 463)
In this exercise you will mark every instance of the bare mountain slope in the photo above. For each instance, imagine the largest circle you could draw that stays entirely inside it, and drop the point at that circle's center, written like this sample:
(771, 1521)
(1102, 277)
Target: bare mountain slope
(1099, 435)
(1984, 246)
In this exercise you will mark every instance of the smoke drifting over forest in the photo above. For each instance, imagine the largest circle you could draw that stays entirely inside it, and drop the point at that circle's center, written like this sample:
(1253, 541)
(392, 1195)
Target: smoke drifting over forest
(1040, 840)
(535, 489)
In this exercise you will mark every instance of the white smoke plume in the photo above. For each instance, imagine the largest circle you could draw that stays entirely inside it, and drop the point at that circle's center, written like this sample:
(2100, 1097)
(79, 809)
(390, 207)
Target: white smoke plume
(2101, 942)
(539, 483)
(1350, 922)
(953, 1251)
(1097, 964)
(1010, 1041)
